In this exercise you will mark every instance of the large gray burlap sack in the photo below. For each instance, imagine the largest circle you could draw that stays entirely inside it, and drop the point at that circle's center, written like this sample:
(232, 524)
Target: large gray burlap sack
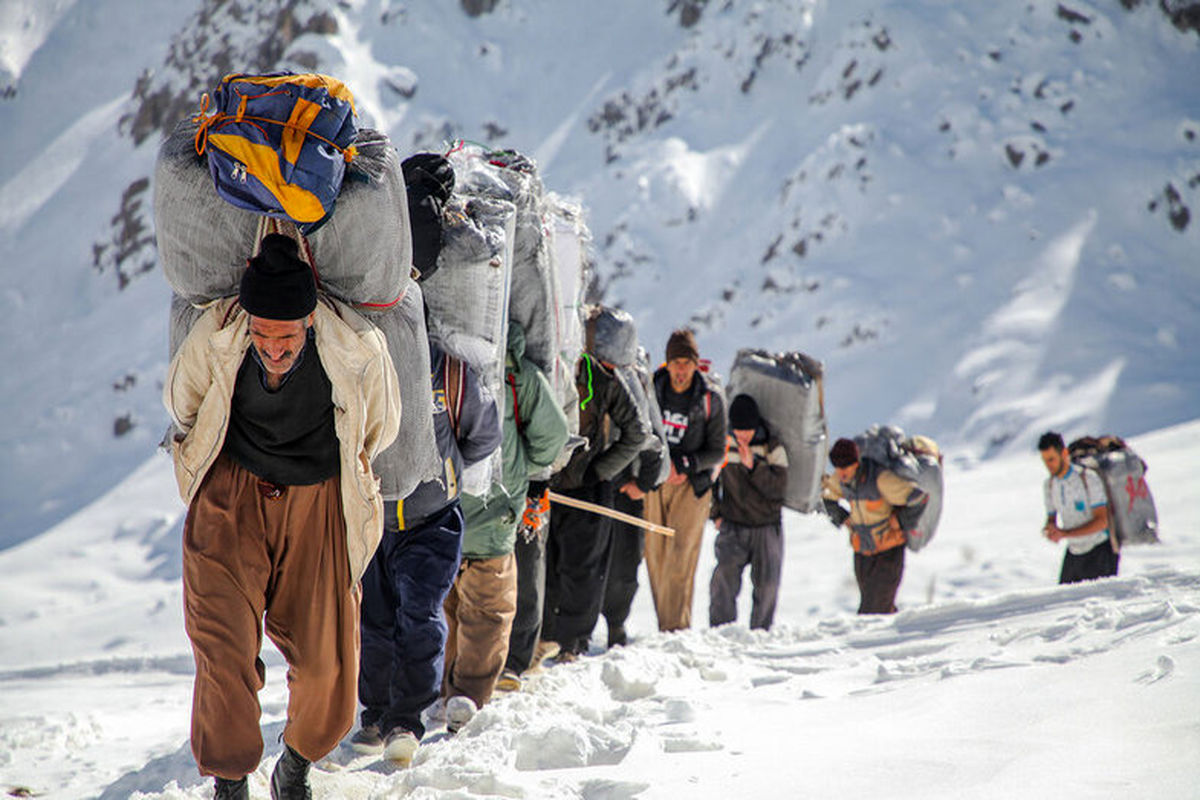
(468, 294)
(413, 457)
(788, 390)
(533, 300)
(468, 299)
(1130, 500)
(569, 240)
(612, 335)
(362, 253)
(183, 317)
(1131, 506)
(915, 458)
(639, 379)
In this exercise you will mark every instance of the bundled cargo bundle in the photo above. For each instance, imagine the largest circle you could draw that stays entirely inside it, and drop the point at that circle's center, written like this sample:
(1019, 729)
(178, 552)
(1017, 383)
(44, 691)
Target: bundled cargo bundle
(640, 380)
(915, 458)
(1131, 508)
(468, 294)
(611, 335)
(413, 457)
(363, 250)
(512, 177)
(790, 395)
(360, 246)
(468, 298)
(569, 241)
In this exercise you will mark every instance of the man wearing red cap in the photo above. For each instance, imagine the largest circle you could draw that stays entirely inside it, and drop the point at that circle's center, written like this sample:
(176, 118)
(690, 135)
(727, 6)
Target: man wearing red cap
(874, 494)
(280, 401)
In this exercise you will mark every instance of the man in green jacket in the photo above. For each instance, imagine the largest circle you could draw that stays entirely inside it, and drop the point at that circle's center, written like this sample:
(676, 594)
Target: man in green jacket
(482, 603)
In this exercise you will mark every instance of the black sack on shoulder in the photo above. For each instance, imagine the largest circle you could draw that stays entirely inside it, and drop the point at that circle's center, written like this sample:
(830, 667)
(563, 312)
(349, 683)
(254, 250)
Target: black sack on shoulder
(429, 181)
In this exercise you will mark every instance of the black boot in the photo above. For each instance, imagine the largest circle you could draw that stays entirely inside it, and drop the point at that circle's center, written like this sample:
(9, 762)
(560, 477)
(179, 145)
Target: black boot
(289, 780)
(232, 790)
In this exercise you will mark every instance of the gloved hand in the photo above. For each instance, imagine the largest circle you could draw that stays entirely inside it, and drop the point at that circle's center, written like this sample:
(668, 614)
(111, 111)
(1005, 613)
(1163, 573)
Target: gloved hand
(535, 517)
(837, 514)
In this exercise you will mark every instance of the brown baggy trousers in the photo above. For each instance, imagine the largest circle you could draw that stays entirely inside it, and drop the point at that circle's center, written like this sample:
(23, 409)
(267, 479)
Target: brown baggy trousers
(671, 560)
(479, 616)
(246, 555)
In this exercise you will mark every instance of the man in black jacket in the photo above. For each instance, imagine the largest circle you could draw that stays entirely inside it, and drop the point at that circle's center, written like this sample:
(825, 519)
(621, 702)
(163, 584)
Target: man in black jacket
(577, 549)
(694, 418)
(747, 506)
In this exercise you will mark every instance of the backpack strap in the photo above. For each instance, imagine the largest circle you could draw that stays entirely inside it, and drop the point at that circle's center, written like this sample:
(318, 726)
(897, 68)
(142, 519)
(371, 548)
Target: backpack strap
(453, 378)
(512, 385)
(1112, 520)
(234, 306)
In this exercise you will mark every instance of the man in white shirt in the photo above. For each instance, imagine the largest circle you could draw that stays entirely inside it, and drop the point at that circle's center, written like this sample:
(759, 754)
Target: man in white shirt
(1076, 511)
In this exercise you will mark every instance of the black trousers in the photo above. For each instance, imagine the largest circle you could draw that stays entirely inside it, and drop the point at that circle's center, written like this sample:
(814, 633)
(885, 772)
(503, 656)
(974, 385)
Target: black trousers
(576, 563)
(628, 542)
(1099, 562)
(531, 585)
(878, 579)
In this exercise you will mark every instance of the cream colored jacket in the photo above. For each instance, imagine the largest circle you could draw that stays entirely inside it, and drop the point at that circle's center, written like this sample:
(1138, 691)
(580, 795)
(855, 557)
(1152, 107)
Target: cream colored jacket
(366, 400)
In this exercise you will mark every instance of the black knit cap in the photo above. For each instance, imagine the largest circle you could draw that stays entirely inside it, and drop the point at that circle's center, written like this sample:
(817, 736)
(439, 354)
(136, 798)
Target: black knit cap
(743, 413)
(843, 453)
(277, 284)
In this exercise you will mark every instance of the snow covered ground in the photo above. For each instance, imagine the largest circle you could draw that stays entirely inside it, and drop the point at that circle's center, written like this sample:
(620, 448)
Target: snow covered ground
(992, 682)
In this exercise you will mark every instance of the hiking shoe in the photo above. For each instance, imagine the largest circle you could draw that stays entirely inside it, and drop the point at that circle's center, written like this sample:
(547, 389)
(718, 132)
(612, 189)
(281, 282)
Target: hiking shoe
(400, 746)
(232, 790)
(367, 740)
(459, 711)
(544, 650)
(509, 681)
(289, 780)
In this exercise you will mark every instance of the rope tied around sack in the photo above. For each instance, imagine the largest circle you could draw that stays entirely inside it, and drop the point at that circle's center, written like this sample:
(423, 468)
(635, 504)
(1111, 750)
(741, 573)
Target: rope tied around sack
(218, 120)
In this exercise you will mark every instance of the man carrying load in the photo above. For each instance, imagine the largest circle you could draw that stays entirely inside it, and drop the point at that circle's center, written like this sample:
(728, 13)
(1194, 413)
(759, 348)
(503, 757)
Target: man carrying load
(281, 400)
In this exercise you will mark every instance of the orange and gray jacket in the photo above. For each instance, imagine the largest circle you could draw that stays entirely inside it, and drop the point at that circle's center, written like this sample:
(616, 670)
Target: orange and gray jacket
(874, 494)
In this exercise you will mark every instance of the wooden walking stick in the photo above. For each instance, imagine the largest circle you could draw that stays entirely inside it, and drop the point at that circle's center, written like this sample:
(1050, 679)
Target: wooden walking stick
(561, 499)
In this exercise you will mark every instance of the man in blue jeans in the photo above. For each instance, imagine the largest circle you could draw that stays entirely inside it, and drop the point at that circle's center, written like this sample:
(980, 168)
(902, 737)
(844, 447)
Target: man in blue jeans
(406, 583)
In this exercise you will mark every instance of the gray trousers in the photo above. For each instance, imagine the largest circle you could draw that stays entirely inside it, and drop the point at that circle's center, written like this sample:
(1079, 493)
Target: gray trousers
(736, 546)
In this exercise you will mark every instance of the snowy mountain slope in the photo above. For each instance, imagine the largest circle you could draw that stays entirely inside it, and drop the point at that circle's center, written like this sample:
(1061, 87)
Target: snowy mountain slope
(992, 681)
(888, 186)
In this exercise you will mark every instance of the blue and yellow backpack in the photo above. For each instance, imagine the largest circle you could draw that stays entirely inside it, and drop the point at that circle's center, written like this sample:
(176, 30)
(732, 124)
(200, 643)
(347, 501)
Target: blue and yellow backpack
(278, 144)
